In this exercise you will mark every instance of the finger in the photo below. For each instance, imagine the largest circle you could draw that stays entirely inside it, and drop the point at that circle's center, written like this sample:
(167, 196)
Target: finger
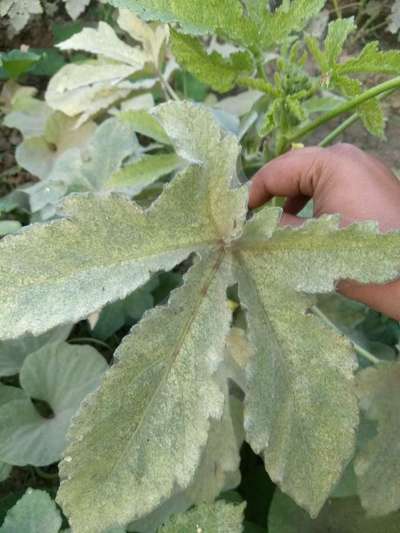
(295, 204)
(383, 298)
(291, 220)
(294, 174)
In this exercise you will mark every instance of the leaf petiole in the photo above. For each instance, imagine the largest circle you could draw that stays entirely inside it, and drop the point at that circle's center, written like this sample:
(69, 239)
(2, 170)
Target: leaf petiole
(343, 108)
(347, 123)
(357, 348)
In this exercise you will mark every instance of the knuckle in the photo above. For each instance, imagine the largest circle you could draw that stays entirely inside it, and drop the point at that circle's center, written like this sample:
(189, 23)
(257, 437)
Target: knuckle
(346, 150)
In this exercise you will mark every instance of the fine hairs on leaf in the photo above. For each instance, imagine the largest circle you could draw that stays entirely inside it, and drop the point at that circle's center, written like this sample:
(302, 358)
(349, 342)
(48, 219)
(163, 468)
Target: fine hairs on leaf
(142, 432)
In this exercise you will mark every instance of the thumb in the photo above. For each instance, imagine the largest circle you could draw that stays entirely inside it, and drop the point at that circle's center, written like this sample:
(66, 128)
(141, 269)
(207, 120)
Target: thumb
(295, 174)
(291, 220)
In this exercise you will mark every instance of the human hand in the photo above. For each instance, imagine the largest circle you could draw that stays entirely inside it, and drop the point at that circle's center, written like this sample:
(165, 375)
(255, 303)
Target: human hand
(340, 179)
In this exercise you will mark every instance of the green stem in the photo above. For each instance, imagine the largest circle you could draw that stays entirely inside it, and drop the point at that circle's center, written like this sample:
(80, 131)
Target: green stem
(171, 91)
(377, 27)
(166, 87)
(90, 340)
(363, 30)
(261, 69)
(361, 12)
(357, 348)
(340, 129)
(338, 9)
(45, 475)
(345, 7)
(344, 108)
(347, 123)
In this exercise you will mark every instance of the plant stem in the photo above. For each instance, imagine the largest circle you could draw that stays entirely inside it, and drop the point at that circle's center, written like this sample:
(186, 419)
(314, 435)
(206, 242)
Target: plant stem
(345, 7)
(171, 91)
(358, 349)
(45, 475)
(377, 27)
(338, 9)
(261, 69)
(166, 87)
(340, 129)
(344, 108)
(347, 123)
(90, 340)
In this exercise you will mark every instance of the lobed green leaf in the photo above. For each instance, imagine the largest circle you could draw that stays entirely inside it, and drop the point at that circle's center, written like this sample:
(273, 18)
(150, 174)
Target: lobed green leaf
(248, 23)
(372, 60)
(220, 73)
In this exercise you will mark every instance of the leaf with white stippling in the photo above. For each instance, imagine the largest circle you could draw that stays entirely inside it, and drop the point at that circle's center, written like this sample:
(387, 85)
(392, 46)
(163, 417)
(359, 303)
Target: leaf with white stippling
(377, 466)
(219, 517)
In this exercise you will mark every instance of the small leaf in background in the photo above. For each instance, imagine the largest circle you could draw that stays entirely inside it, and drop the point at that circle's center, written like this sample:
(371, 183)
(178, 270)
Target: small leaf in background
(5, 471)
(35, 512)
(60, 375)
(141, 173)
(12, 201)
(339, 515)
(19, 11)
(112, 142)
(239, 104)
(125, 312)
(65, 30)
(39, 155)
(87, 88)
(338, 31)
(191, 87)
(371, 111)
(17, 62)
(152, 39)
(372, 60)
(51, 61)
(394, 19)
(76, 7)
(103, 41)
(219, 517)
(14, 352)
(78, 159)
(220, 73)
(144, 123)
(27, 113)
(9, 226)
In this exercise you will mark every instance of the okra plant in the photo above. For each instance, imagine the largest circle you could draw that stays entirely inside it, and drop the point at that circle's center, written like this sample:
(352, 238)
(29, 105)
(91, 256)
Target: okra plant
(243, 349)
